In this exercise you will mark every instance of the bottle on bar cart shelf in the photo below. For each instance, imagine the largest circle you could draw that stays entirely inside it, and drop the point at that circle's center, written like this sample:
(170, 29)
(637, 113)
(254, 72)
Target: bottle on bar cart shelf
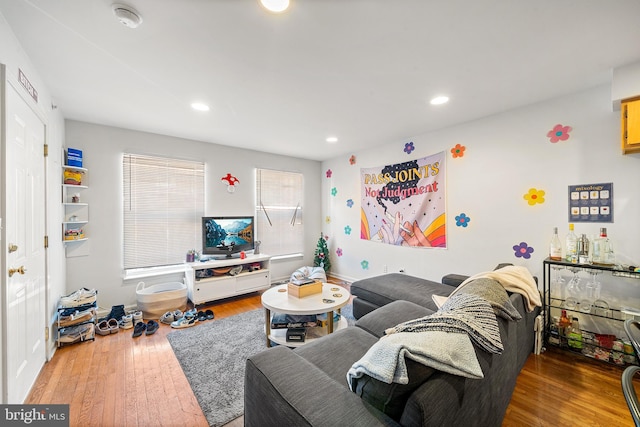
(571, 242)
(583, 249)
(555, 247)
(603, 249)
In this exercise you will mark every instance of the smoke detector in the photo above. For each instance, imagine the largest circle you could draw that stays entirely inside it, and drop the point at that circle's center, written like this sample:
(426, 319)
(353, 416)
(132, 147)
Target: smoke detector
(127, 15)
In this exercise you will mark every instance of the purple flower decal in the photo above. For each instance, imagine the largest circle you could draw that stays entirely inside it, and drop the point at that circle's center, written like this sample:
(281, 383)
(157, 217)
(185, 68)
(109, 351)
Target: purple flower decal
(523, 250)
(350, 203)
(408, 147)
(339, 251)
(462, 220)
(329, 173)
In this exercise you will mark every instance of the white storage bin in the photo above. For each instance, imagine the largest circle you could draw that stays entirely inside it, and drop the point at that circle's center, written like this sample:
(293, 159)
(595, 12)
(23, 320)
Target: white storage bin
(156, 300)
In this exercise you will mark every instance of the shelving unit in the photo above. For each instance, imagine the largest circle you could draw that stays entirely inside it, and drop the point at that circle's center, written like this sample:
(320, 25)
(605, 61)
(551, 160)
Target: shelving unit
(609, 314)
(205, 284)
(78, 327)
(76, 213)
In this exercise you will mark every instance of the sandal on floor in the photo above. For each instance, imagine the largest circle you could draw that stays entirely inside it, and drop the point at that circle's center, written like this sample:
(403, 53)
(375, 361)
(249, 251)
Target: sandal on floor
(139, 328)
(202, 316)
(103, 328)
(114, 326)
(209, 314)
(152, 327)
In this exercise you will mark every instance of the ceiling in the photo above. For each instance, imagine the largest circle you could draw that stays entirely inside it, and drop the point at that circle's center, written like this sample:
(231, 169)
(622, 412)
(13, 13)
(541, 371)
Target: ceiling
(360, 70)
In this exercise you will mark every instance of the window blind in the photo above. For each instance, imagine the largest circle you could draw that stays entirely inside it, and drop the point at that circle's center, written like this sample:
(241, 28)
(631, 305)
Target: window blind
(163, 206)
(279, 211)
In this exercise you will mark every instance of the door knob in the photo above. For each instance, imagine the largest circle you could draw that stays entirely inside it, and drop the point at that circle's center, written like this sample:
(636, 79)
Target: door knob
(12, 247)
(20, 270)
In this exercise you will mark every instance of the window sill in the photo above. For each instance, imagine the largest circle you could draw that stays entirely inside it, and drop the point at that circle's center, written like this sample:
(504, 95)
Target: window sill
(141, 273)
(289, 257)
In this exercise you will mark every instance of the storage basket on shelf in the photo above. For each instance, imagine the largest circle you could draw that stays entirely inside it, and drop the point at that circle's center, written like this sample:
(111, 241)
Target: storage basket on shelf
(156, 300)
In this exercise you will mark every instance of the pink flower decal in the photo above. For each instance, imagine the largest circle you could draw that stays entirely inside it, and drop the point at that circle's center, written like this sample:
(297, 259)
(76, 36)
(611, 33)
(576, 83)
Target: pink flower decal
(352, 160)
(329, 173)
(559, 133)
(458, 151)
(339, 251)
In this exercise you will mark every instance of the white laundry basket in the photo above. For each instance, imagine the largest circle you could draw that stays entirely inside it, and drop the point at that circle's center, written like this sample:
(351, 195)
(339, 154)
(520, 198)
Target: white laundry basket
(156, 300)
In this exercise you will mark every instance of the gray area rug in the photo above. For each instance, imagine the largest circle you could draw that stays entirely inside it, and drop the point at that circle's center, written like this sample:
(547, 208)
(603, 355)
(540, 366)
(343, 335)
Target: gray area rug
(213, 355)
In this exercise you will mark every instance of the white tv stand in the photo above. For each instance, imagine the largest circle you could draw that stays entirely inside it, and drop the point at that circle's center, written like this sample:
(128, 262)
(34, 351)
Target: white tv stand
(204, 286)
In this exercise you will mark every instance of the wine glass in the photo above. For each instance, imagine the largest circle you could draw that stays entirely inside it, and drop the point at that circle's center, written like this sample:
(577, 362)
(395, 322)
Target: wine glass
(557, 283)
(573, 290)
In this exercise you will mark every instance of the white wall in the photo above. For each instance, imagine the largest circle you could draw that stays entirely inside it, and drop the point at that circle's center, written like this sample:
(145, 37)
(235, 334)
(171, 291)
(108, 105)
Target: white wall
(14, 58)
(103, 147)
(505, 155)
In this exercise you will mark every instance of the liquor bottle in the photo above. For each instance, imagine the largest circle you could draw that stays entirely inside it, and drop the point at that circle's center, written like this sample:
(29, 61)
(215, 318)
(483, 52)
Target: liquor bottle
(571, 242)
(603, 249)
(575, 335)
(555, 247)
(563, 327)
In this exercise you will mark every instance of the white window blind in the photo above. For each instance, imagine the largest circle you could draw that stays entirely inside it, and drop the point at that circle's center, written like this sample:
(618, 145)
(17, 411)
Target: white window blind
(163, 209)
(279, 208)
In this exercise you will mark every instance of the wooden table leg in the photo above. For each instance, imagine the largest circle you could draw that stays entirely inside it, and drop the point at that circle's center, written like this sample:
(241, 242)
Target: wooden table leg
(267, 325)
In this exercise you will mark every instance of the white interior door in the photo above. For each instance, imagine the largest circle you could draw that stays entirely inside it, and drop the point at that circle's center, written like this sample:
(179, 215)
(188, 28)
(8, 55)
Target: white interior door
(24, 322)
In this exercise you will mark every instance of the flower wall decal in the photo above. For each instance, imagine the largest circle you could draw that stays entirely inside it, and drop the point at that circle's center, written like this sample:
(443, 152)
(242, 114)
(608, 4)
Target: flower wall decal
(347, 230)
(350, 203)
(462, 220)
(458, 151)
(408, 147)
(352, 160)
(334, 191)
(364, 264)
(327, 219)
(339, 251)
(523, 250)
(559, 133)
(534, 196)
(329, 173)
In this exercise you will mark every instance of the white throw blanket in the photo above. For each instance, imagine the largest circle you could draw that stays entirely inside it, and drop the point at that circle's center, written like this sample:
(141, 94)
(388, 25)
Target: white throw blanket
(513, 278)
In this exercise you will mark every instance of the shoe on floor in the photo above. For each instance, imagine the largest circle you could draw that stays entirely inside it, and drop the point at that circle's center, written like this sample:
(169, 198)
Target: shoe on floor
(139, 328)
(137, 317)
(114, 326)
(184, 322)
(126, 322)
(201, 316)
(209, 314)
(167, 318)
(103, 328)
(152, 327)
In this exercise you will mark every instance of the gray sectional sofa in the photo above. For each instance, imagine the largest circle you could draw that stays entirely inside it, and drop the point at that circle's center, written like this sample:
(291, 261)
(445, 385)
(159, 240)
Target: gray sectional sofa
(307, 386)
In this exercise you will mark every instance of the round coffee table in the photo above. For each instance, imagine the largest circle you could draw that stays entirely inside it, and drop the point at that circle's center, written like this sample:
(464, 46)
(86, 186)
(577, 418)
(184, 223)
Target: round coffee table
(332, 298)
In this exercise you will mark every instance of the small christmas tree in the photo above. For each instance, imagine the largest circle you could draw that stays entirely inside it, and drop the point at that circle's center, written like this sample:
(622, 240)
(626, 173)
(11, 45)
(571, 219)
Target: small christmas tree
(321, 258)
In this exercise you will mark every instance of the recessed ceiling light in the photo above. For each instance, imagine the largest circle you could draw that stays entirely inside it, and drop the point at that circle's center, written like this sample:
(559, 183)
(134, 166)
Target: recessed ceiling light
(439, 100)
(332, 139)
(275, 6)
(199, 106)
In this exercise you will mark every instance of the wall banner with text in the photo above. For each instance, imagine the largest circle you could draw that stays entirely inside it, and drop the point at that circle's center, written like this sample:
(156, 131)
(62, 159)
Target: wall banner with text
(404, 203)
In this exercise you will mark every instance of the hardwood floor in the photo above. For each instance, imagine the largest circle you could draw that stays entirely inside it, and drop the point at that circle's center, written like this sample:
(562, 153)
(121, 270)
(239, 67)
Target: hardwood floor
(119, 381)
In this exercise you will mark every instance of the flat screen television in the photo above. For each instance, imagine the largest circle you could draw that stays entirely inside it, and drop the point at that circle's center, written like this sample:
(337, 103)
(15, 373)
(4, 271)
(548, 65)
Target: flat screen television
(227, 235)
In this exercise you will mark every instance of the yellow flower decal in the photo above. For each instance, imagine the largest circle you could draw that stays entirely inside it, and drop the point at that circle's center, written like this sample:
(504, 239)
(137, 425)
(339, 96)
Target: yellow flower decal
(534, 196)
(327, 219)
